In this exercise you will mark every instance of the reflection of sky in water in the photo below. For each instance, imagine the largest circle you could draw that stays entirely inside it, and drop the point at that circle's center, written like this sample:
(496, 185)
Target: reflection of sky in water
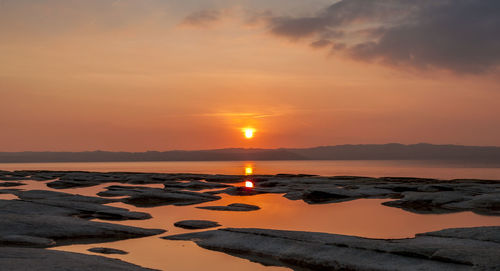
(365, 217)
(427, 169)
(8, 196)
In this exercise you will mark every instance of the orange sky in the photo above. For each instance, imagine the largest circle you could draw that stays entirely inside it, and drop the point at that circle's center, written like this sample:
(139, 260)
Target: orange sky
(143, 75)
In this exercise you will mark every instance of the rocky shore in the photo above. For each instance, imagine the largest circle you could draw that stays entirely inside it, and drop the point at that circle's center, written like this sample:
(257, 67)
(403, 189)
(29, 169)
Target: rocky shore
(38, 219)
(452, 249)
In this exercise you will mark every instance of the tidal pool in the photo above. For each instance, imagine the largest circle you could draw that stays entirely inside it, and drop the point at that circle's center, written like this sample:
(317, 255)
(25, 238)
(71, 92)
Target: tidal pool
(363, 217)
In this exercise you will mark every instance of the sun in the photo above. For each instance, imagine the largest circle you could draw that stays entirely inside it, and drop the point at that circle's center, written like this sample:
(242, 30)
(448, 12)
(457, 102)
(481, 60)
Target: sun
(249, 132)
(248, 170)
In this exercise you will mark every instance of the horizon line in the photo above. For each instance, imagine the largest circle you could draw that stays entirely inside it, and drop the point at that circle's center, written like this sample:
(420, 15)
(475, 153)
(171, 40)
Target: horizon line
(242, 148)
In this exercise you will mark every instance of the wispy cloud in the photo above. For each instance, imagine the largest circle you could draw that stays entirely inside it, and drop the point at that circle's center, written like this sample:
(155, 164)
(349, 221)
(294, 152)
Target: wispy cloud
(241, 115)
(203, 18)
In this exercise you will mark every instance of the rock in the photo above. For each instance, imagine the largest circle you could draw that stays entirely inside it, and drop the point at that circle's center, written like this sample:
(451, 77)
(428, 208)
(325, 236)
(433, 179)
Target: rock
(22, 259)
(149, 197)
(66, 230)
(44, 194)
(328, 195)
(419, 195)
(224, 178)
(12, 178)
(25, 241)
(82, 206)
(453, 249)
(429, 202)
(487, 233)
(92, 210)
(195, 185)
(488, 204)
(238, 207)
(11, 184)
(65, 184)
(105, 250)
(58, 222)
(196, 224)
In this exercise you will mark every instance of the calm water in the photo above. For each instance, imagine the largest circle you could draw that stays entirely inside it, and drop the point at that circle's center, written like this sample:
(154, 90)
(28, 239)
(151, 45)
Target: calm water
(365, 217)
(371, 168)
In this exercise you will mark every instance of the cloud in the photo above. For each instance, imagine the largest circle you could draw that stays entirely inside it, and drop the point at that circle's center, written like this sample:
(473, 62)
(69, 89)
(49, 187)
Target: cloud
(462, 36)
(241, 115)
(321, 43)
(202, 18)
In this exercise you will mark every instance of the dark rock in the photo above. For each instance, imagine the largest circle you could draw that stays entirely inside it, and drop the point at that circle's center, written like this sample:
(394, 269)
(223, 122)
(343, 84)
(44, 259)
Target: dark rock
(149, 197)
(195, 185)
(196, 224)
(22, 259)
(81, 206)
(25, 241)
(452, 249)
(238, 207)
(328, 195)
(105, 250)
(11, 184)
(45, 218)
(429, 202)
(65, 230)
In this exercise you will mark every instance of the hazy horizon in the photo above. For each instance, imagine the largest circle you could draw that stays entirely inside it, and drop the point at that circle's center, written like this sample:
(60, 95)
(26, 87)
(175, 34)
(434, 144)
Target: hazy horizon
(258, 148)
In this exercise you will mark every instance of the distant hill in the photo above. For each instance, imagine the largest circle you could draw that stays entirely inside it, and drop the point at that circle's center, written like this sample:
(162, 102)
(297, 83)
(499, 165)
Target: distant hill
(340, 152)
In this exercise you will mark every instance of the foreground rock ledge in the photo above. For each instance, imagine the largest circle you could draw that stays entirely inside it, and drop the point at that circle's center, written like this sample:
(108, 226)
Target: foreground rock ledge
(452, 249)
(21, 259)
(45, 218)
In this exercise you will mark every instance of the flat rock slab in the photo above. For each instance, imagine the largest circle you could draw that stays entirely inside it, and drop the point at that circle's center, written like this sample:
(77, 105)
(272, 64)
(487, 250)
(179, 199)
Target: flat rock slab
(61, 230)
(194, 185)
(417, 195)
(142, 196)
(74, 179)
(106, 250)
(44, 222)
(452, 249)
(17, 240)
(23, 259)
(11, 184)
(237, 207)
(78, 205)
(196, 224)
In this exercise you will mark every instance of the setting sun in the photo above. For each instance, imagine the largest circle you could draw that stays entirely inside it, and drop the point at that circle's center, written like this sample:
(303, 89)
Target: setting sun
(249, 184)
(248, 171)
(248, 132)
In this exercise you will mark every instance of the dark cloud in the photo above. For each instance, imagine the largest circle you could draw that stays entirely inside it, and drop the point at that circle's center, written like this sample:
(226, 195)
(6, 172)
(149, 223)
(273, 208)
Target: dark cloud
(202, 17)
(456, 35)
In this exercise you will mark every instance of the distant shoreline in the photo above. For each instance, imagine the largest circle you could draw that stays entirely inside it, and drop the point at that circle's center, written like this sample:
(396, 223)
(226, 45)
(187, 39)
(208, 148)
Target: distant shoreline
(430, 152)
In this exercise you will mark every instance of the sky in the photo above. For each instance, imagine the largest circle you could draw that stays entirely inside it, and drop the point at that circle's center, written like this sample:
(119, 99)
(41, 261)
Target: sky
(138, 75)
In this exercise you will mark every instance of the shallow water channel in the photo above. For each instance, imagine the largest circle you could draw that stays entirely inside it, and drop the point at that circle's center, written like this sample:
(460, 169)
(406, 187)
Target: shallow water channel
(364, 217)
